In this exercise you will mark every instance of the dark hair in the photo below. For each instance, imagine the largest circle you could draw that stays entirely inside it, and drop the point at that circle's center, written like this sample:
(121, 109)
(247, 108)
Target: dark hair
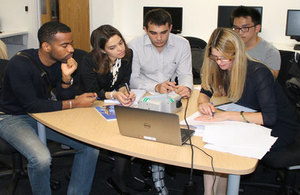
(99, 38)
(158, 17)
(49, 29)
(243, 11)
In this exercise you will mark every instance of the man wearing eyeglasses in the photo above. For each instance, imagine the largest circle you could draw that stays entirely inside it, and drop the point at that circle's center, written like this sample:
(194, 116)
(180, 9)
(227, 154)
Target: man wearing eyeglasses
(247, 22)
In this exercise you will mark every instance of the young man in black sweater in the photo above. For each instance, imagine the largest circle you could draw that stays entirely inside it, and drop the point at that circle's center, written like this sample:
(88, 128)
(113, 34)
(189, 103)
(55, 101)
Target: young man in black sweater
(26, 91)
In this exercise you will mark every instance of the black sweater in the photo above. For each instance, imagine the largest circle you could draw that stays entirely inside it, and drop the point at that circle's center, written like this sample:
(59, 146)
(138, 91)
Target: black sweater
(95, 82)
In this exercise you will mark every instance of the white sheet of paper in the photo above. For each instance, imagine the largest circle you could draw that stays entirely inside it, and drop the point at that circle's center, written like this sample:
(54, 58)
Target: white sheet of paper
(252, 153)
(244, 139)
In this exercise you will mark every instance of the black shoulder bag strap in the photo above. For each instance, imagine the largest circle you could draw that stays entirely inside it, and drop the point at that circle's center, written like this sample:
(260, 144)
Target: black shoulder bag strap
(43, 73)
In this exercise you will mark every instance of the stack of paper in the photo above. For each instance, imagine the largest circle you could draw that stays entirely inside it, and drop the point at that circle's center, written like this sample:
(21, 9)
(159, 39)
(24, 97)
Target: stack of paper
(244, 139)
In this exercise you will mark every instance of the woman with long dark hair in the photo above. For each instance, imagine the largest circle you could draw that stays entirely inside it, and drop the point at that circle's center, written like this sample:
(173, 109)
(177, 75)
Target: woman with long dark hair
(106, 70)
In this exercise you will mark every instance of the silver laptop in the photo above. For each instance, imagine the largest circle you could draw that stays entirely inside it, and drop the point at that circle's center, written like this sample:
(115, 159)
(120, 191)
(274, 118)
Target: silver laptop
(151, 125)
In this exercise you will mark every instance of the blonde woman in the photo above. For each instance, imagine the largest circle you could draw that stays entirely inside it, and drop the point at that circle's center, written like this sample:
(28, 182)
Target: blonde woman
(3, 51)
(228, 71)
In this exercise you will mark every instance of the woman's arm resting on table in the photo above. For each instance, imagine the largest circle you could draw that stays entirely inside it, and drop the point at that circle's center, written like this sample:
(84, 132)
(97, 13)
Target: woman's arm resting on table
(233, 116)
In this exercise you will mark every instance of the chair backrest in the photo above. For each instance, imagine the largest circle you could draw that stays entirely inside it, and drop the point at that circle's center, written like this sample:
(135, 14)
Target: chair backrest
(198, 49)
(6, 148)
(287, 58)
(289, 78)
(3, 65)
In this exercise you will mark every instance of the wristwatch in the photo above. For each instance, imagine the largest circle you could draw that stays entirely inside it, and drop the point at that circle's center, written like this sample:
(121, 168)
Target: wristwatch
(68, 83)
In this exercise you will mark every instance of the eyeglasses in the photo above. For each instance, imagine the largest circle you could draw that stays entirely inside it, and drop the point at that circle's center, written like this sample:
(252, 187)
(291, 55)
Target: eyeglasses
(220, 58)
(243, 29)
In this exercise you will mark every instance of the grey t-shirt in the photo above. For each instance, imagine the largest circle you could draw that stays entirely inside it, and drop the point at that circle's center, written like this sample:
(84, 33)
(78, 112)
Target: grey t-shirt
(266, 53)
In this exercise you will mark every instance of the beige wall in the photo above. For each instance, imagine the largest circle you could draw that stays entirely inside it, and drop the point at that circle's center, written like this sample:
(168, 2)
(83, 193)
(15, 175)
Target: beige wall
(14, 17)
(199, 19)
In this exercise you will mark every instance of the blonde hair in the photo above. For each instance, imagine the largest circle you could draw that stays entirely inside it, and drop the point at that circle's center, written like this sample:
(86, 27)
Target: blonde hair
(3, 51)
(221, 82)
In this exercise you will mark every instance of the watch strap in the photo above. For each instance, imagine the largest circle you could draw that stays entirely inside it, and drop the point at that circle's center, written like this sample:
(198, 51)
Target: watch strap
(67, 83)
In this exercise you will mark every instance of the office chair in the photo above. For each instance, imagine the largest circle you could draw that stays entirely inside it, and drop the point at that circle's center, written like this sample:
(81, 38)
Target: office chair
(285, 181)
(16, 169)
(198, 49)
(289, 77)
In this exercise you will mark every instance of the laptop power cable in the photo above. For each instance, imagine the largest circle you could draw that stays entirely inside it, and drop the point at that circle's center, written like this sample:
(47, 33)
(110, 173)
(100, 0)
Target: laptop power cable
(190, 187)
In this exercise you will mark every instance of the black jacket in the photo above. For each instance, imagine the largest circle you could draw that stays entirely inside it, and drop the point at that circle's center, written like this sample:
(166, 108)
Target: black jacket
(263, 93)
(95, 82)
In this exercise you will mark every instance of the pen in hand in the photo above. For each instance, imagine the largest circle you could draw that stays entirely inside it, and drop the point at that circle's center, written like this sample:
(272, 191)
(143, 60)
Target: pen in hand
(170, 84)
(128, 90)
(212, 113)
(170, 80)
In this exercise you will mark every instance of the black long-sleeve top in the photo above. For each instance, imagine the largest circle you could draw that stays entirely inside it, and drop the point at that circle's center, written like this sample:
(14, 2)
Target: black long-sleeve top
(263, 93)
(95, 82)
(24, 90)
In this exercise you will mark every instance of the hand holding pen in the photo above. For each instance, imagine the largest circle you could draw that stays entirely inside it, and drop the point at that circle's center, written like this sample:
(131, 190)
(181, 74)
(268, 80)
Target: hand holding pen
(130, 96)
(128, 91)
(207, 109)
(123, 97)
(165, 87)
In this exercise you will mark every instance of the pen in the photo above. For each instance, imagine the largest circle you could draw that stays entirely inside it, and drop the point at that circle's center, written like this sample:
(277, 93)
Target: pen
(168, 84)
(212, 113)
(168, 90)
(128, 90)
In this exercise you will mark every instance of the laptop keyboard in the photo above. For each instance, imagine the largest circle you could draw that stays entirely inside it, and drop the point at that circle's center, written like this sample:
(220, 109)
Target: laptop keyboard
(185, 134)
